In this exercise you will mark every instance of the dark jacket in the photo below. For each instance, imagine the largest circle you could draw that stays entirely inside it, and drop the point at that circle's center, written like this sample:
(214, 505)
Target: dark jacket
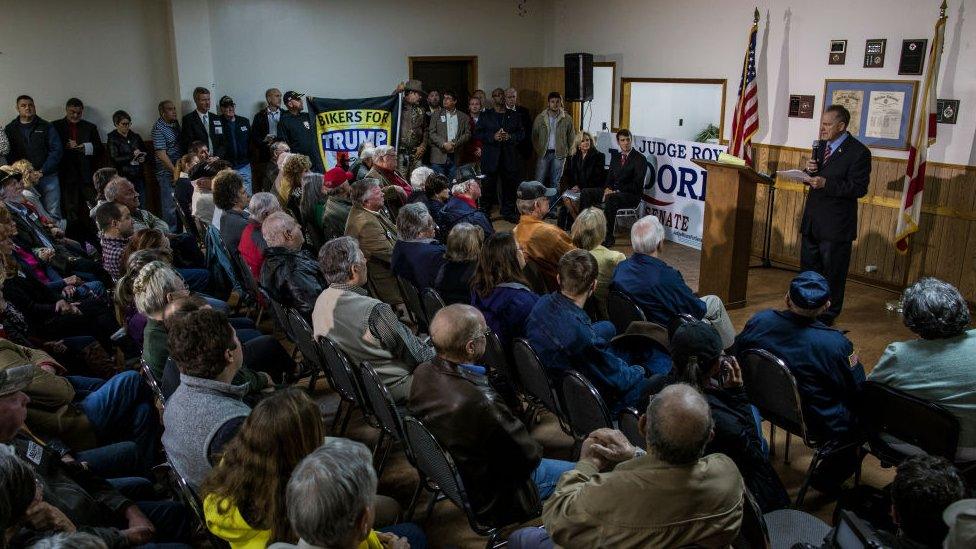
(192, 129)
(831, 212)
(120, 151)
(232, 224)
(292, 278)
(299, 131)
(259, 130)
(822, 359)
(42, 145)
(492, 449)
(418, 261)
(586, 172)
(76, 168)
(629, 177)
(500, 155)
(233, 142)
(506, 310)
(524, 144)
(457, 211)
(453, 281)
(657, 288)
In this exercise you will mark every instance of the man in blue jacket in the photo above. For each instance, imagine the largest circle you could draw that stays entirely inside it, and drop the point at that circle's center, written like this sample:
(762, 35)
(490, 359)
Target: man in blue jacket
(565, 338)
(34, 138)
(232, 142)
(463, 208)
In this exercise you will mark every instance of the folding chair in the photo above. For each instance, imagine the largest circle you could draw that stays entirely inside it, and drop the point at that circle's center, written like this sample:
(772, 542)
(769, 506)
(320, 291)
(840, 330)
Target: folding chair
(153, 383)
(583, 407)
(900, 425)
(305, 343)
(385, 410)
(345, 383)
(432, 302)
(191, 499)
(411, 298)
(535, 381)
(622, 310)
(628, 421)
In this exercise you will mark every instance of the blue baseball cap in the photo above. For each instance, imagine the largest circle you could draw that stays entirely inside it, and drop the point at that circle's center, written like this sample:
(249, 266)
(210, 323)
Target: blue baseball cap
(809, 290)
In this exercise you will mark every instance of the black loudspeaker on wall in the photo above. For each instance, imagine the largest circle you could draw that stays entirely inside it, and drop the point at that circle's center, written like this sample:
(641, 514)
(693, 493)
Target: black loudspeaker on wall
(579, 76)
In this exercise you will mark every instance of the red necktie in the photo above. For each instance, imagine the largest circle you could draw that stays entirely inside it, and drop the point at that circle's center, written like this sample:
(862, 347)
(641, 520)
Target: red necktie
(827, 152)
(623, 159)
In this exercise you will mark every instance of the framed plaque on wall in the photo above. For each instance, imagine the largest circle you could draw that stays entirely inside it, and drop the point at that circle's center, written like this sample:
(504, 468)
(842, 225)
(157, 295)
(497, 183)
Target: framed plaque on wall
(881, 110)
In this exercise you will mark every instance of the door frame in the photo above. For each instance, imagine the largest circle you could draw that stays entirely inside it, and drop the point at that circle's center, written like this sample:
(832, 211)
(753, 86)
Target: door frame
(625, 96)
(472, 67)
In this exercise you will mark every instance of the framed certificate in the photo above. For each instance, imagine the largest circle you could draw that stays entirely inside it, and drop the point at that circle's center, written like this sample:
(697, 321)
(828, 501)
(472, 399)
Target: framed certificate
(881, 110)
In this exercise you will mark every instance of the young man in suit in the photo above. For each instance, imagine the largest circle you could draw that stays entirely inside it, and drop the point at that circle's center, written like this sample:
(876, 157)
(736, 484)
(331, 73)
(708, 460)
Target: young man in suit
(841, 170)
(448, 132)
(264, 130)
(201, 124)
(625, 181)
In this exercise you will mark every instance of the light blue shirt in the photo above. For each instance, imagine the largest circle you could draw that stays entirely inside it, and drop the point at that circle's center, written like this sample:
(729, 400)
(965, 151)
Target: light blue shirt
(836, 142)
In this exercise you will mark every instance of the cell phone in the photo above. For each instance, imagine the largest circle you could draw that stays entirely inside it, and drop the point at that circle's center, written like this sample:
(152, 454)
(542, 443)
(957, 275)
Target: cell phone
(725, 371)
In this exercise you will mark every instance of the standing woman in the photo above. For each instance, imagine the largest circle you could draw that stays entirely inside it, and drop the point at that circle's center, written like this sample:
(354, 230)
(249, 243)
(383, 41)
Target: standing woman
(585, 174)
(128, 152)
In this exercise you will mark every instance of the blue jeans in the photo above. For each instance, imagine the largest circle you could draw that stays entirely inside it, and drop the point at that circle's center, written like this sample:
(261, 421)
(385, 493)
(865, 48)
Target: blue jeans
(530, 538)
(447, 169)
(547, 475)
(120, 409)
(549, 169)
(50, 188)
(171, 519)
(245, 173)
(197, 280)
(119, 460)
(165, 180)
(413, 533)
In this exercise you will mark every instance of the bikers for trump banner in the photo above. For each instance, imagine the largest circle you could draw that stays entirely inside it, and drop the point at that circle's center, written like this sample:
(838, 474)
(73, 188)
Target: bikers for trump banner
(674, 190)
(341, 125)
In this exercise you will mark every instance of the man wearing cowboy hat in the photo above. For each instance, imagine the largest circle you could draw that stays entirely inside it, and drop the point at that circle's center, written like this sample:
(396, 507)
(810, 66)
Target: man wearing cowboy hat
(298, 129)
(413, 129)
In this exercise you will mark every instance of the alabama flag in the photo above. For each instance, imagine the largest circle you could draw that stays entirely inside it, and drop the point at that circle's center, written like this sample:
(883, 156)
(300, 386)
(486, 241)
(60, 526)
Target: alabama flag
(924, 137)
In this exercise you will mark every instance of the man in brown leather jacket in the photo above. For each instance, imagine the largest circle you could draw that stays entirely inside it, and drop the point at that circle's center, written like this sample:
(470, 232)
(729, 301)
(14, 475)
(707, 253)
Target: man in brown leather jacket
(501, 466)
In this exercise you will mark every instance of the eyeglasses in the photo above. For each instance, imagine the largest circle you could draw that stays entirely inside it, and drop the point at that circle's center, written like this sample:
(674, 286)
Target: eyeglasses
(483, 334)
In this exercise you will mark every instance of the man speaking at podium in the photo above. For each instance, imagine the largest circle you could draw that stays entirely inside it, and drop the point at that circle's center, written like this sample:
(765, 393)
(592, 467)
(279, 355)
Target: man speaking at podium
(841, 168)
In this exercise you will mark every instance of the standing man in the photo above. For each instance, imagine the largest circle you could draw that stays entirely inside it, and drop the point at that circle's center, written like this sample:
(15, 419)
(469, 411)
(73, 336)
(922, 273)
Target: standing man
(500, 130)
(471, 153)
(298, 129)
(201, 124)
(232, 144)
(264, 131)
(82, 146)
(450, 130)
(413, 129)
(166, 144)
(524, 144)
(625, 181)
(841, 170)
(552, 137)
(33, 138)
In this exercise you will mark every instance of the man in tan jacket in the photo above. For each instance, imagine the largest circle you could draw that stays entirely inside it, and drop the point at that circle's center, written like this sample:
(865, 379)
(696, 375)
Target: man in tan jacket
(377, 234)
(669, 497)
(553, 138)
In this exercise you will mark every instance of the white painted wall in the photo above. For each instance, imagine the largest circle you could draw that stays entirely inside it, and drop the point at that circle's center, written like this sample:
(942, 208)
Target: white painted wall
(111, 54)
(707, 39)
(674, 111)
(600, 110)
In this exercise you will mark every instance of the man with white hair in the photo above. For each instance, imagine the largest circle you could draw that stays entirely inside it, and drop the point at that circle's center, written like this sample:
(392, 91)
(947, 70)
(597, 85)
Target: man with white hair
(659, 289)
(363, 161)
(289, 275)
(542, 243)
(418, 180)
(463, 208)
(122, 191)
(396, 189)
(376, 234)
(417, 255)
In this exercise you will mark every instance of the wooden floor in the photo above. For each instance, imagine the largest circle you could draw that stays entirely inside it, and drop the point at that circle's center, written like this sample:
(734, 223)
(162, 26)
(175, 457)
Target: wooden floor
(871, 327)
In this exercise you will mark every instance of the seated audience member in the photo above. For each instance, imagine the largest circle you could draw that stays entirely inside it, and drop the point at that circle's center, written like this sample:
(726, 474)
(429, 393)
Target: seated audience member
(311, 206)
(278, 149)
(670, 497)
(115, 229)
(585, 175)
(395, 188)
(365, 328)
(330, 499)
(659, 289)
(85, 412)
(437, 191)
(463, 208)
(543, 244)
(100, 180)
(206, 411)
(288, 185)
(363, 162)
(252, 244)
(587, 233)
(26, 194)
(696, 352)
(197, 280)
(230, 196)
(289, 274)
(937, 366)
(500, 463)
(499, 289)
(565, 338)
(376, 234)
(336, 211)
(923, 487)
(155, 285)
(827, 370)
(182, 186)
(202, 201)
(66, 496)
(124, 302)
(418, 180)
(19, 491)
(122, 191)
(417, 255)
(453, 281)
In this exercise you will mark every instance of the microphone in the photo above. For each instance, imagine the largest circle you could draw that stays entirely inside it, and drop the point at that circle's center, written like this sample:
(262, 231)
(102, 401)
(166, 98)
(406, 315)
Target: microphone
(817, 155)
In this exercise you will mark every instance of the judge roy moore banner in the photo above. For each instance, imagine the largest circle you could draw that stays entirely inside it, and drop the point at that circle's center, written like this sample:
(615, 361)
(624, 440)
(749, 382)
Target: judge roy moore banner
(674, 189)
(341, 125)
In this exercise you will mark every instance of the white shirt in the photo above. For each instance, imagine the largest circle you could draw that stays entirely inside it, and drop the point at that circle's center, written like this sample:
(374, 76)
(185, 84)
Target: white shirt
(273, 117)
(452, 125)
(205, 118)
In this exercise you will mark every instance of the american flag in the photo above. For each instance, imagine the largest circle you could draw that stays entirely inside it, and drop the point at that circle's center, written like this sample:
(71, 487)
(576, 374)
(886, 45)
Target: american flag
(925, 133)
(745, 121)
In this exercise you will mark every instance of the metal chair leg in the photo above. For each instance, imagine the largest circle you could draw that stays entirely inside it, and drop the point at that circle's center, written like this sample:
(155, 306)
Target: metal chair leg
(312, 380)
(430, 504)
(786, 449)
(415, 499)
(338, 414)
(390, 441)
(817, 457)
(345, 421)
(772, 440)
(493, 539)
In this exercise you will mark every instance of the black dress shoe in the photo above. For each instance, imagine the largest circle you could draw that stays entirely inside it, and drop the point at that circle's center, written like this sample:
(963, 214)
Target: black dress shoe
(609, 242)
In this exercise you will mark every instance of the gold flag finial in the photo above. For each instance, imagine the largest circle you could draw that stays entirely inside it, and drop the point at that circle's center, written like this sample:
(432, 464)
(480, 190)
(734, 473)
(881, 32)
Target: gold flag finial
(943, 8)
(755, 15)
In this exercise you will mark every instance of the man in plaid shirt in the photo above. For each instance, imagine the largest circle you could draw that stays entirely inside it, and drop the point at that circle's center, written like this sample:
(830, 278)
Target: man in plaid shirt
(115, 228)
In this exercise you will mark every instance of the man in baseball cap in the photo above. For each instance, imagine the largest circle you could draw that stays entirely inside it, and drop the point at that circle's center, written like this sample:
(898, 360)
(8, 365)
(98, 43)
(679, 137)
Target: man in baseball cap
(542, 243)
(297, 128)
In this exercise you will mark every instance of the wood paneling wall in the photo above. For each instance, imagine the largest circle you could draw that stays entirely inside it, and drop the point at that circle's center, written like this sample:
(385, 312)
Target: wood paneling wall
(535, 83)
(944, 246)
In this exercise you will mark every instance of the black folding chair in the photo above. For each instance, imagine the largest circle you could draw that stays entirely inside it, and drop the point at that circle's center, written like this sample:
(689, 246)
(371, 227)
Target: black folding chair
(622, 310)
(432, 303)
(305, 342)
(153, 383)
(440, 476)
(679, 320)
(411, 298)
(628, 422)
(345, 383)
(900, 425)
(280, 314)
(535, 381)
(583, 406)
(388, 415)
(257, 297)
(182, 489)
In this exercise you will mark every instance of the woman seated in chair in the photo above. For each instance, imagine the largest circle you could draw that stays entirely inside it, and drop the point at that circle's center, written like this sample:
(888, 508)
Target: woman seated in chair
(499, 289)
(453, 281)
(588, 232)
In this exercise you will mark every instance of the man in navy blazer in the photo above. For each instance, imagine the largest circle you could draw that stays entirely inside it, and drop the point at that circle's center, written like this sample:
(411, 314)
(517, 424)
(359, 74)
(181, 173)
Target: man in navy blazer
(841, 170)
(500, 130)
(200, 124)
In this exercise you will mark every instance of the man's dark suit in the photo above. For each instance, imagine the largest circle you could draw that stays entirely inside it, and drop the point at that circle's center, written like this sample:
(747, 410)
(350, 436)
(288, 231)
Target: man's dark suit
(500, 159)
(829, 223)
(75, 175)
(627, 178)
(193, 130)
(260, 149)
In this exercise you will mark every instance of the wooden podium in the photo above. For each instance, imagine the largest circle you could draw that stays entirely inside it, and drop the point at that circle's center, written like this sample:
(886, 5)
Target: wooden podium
(730, 201)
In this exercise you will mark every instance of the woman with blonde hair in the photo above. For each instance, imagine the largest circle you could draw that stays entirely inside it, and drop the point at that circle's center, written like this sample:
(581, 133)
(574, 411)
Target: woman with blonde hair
(585, 175)
(453, 280)
(288, 185)
(30, 198)
(588, 233)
